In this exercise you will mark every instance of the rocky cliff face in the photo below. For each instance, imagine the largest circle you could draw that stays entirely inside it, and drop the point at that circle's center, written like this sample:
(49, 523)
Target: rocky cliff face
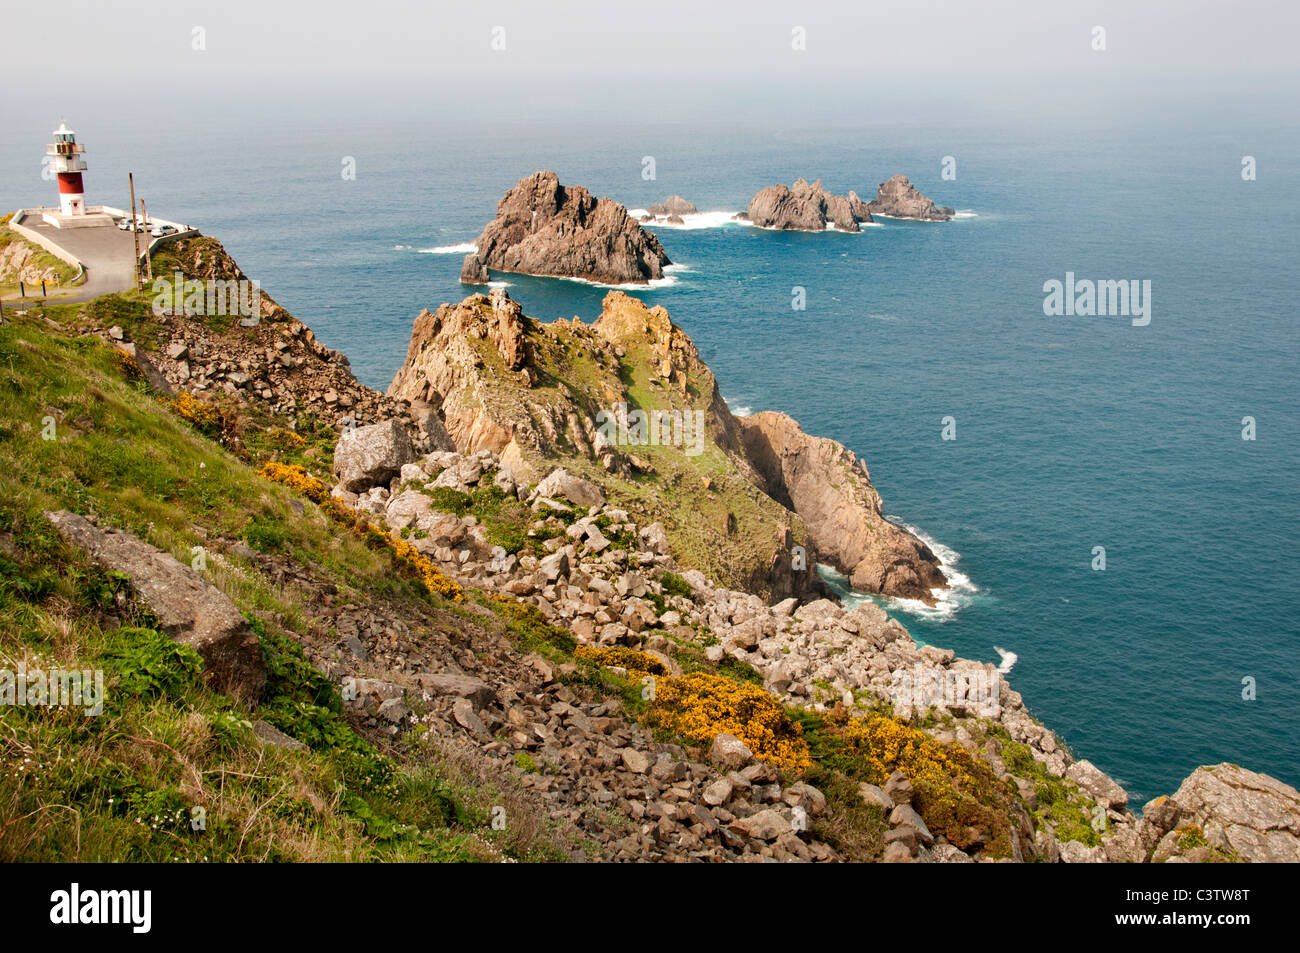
(545, 228)
(1224, 812)
(278, 363)
(806, 207)
(899, 198)
(628, 402)
(830, 488)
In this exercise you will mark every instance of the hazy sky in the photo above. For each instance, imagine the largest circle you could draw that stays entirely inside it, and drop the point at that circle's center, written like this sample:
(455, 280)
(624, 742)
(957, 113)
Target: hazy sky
(887, 60)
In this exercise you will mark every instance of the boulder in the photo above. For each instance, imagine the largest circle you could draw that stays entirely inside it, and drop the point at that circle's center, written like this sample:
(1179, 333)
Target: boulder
(275, 737)
(767, 825)
(565, 485)
(372, 456)
(728, 751)
(1103, 790)
(477, 692)
(189, 609)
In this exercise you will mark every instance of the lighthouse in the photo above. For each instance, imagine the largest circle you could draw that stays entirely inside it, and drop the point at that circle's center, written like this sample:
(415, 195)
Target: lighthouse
(65, 158)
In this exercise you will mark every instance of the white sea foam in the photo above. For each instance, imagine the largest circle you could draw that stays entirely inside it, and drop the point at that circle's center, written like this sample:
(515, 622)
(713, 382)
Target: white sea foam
(401, 248)
(669, 278)
(741, 411)
(695, 220)
(1008, 660)
(499, 284)
(965, 213)
(464, 248)
(948, 601)
(960, 589)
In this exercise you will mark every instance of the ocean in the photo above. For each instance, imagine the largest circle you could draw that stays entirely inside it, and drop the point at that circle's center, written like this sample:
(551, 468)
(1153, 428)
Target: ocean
(1071, 432)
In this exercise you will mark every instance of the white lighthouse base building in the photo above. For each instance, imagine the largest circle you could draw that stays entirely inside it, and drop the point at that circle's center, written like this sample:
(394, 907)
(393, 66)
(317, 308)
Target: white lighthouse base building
(93, 217)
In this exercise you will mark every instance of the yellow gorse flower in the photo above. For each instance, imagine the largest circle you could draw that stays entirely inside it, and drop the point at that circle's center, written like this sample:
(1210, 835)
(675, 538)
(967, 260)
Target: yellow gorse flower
(699, 706)
(630, 659)
(297, 478)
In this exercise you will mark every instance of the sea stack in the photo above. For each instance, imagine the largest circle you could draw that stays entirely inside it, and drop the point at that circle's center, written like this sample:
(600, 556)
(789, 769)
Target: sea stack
(806, 207)
(548, 229)
(899, 198)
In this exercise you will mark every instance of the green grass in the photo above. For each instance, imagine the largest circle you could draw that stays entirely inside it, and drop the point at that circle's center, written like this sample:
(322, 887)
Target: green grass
(506, 521)
(126, 785)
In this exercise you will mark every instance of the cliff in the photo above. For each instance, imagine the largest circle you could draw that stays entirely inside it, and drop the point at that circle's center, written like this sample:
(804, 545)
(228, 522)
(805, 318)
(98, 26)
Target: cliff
(545, 228)
(563, 393)
(445, 639)
(830, 488)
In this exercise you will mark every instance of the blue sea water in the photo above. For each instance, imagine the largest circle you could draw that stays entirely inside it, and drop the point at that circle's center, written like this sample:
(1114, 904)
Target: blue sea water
(1072, 432)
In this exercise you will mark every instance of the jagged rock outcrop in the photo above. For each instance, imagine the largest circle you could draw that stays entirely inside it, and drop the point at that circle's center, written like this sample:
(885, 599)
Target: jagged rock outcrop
(899, 198)
(1225, 812)
(670, 210)
(829, 487)
(190, 609)
(545, 228)
(507, 383)
(538, 393)
(806, 207)
(278, 363)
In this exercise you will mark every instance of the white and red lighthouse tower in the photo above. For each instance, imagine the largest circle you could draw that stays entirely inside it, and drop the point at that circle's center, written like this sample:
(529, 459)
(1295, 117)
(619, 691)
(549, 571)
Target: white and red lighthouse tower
(65, 159)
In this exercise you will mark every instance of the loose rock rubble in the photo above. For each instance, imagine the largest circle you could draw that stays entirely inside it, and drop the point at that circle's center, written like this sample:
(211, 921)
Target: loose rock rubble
(814, 655)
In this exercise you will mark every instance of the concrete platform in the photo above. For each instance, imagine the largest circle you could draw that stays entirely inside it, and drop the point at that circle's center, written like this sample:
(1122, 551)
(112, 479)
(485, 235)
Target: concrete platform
(106, 251)
(89, 220)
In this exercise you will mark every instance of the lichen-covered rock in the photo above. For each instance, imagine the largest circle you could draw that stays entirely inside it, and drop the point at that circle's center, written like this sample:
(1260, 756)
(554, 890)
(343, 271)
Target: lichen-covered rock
(189, 609)
(372, 456)
(1229, 810)
(1102, 788)
(561, 484)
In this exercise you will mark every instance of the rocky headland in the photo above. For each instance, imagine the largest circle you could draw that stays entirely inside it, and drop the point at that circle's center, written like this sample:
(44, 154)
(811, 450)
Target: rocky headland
(806, 207)
(545, 228)
(603, 634)
(538, 394)
(899, 198)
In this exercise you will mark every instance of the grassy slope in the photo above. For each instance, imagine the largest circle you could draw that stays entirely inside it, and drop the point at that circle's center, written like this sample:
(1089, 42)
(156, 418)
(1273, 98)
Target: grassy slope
(90, 788)
(75, 787)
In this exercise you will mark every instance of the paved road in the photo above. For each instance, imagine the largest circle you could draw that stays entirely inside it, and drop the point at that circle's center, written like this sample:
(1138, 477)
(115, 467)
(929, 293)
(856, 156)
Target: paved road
(107, 253)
